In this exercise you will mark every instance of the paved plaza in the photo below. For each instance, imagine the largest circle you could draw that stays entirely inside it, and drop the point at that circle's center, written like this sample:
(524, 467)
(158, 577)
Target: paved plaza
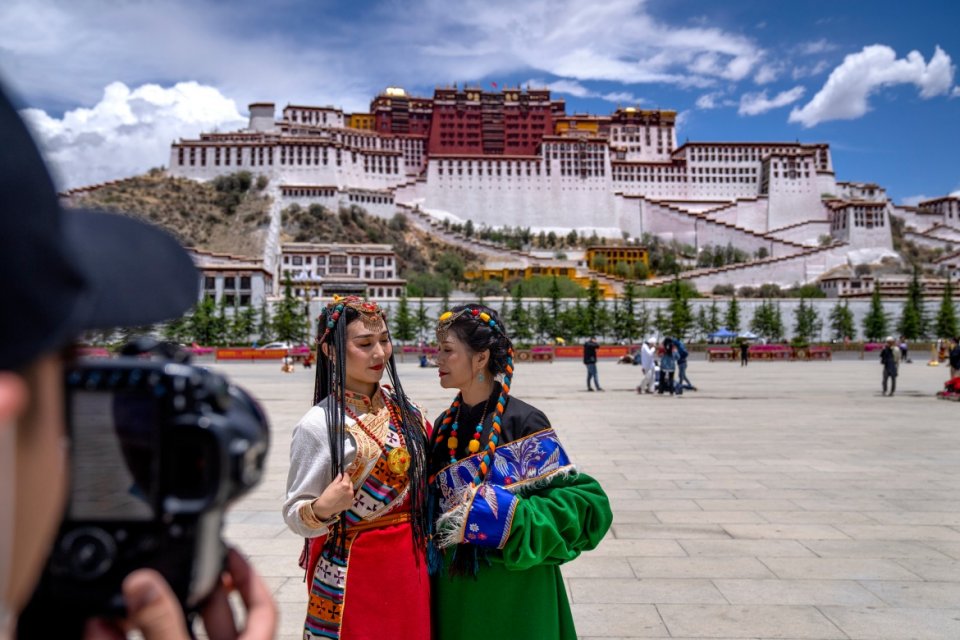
(782, 500)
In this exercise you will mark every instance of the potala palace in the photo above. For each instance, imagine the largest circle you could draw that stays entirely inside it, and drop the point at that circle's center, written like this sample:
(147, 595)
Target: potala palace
(514, 157)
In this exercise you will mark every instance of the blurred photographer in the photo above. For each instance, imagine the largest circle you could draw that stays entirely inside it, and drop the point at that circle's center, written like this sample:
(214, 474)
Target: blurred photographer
(62, 273)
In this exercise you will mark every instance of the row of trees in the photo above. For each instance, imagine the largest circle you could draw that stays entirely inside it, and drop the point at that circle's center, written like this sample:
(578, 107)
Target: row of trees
(627, 318)
(913, 323)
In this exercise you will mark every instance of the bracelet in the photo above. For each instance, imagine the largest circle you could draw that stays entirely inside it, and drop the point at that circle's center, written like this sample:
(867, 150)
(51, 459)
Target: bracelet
(311, 520)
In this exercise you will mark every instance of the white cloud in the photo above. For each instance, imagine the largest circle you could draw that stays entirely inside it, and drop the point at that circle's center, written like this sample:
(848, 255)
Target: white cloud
(128, 131)
(912, 201)
(807, 71)
(714, 100)
(577, 90)
(955, 93)
(814, 47)
(768, 73)
(709, 100)
(844, 96)
(66, 52)
(752, 104)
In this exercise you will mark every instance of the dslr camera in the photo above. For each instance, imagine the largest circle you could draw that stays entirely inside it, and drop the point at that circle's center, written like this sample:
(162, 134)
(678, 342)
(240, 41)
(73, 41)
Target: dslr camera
(158, 449)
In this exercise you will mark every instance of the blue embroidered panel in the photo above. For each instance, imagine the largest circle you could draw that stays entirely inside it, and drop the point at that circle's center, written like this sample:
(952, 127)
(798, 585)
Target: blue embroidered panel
(514, 464)
(490, 517)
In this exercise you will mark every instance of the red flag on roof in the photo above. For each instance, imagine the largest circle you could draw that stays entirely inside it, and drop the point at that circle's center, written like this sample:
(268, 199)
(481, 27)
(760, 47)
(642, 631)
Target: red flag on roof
(494, 84)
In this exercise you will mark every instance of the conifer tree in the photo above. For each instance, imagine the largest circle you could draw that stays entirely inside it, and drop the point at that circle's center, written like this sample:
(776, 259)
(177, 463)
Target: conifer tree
(265, 324)
(518, 318)
(661, 321)
(762, 321)
(555, 301)
(220, 324)
(875, 322)
(288, 319)
(404, 327)
(732, 317)
(643, 320)
(423, 320)
(841, 321)
(807, 322)
(543, 325)
(680, 315)
(946, 321)
(593, 307)
(628, 325)
(913, 322)
(713, 317)
(200, 324)
(776, 322)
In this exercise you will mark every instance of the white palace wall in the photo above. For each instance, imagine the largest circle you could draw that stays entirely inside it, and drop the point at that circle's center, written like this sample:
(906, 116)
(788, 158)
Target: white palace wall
(807, 233)
(786, 272)
(526, 201)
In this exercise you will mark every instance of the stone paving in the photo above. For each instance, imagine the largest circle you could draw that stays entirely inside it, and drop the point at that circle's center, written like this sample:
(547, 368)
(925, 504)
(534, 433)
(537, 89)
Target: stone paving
(782, 500)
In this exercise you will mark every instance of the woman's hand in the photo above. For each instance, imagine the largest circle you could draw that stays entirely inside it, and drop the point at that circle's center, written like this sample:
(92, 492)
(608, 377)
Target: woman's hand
(337, 497)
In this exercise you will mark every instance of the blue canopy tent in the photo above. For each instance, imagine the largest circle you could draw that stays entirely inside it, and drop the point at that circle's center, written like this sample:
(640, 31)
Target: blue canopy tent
(722, 334)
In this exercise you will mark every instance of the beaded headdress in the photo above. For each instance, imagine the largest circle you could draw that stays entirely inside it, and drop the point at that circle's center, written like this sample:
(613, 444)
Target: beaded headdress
(371, 314)
(446, 320)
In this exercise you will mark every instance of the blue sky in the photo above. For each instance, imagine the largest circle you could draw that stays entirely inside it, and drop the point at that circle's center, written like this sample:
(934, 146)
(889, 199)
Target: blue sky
(108, 85)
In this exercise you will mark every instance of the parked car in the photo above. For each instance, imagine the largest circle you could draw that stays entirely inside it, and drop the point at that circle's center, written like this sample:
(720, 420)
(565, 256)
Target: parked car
(277, 345)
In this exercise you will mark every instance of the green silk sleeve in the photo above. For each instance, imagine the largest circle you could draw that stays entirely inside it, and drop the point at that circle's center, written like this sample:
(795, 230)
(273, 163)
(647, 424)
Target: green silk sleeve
(555, 524)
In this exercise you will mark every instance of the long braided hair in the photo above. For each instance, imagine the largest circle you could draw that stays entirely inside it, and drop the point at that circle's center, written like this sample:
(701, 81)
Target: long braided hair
(479, 327)
(330, 384)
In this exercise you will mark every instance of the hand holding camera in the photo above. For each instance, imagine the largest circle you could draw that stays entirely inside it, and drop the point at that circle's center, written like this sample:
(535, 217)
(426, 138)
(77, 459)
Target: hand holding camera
(158, 450)
(154, 611)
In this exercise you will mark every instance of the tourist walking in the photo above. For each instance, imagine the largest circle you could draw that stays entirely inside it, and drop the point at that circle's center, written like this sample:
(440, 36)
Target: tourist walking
(511, 505)
(904, 350)
(955, 358)
(683, 382)
(744, 353)
(357, 487)
(648, 353)
(590, 359)
(668, 366)
(890, 359)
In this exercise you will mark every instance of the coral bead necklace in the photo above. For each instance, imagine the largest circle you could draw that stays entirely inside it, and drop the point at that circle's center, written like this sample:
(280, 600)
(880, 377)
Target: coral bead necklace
(448, 426)
(474, 445)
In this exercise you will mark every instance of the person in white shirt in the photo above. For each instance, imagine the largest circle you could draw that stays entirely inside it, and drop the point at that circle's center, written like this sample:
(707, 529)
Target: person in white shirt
(647, 354)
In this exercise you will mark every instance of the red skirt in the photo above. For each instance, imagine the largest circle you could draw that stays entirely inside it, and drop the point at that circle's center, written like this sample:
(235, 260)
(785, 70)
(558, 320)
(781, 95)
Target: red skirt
(387, 592)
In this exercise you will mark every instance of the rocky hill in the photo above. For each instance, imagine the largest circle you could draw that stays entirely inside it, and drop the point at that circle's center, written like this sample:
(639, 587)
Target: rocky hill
(229, 215)
(232, 215)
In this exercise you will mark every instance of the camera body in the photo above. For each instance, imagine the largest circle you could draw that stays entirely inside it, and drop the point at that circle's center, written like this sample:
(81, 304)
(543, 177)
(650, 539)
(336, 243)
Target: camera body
(158, 450)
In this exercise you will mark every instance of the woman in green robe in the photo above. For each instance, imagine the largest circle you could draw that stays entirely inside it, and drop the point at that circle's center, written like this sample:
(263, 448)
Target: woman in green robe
(509, 506)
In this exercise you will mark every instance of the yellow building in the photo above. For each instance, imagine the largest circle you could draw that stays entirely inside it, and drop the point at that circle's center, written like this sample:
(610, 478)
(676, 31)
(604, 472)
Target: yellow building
(605, 258)
(507, 272)
(363, 121)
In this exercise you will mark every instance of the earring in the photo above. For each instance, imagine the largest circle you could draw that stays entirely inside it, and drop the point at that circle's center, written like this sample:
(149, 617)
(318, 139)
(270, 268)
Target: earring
(480, 377)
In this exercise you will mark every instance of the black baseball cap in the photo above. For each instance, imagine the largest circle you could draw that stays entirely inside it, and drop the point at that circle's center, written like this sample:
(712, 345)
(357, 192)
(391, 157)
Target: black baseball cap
(63, 271)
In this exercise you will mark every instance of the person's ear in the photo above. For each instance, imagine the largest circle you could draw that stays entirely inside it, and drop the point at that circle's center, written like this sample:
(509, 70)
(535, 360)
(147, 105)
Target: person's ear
(483, 359)
(13, 397)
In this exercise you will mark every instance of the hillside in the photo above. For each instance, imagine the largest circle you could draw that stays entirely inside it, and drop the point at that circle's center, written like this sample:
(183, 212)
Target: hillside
(417, 252)
(231, 215)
